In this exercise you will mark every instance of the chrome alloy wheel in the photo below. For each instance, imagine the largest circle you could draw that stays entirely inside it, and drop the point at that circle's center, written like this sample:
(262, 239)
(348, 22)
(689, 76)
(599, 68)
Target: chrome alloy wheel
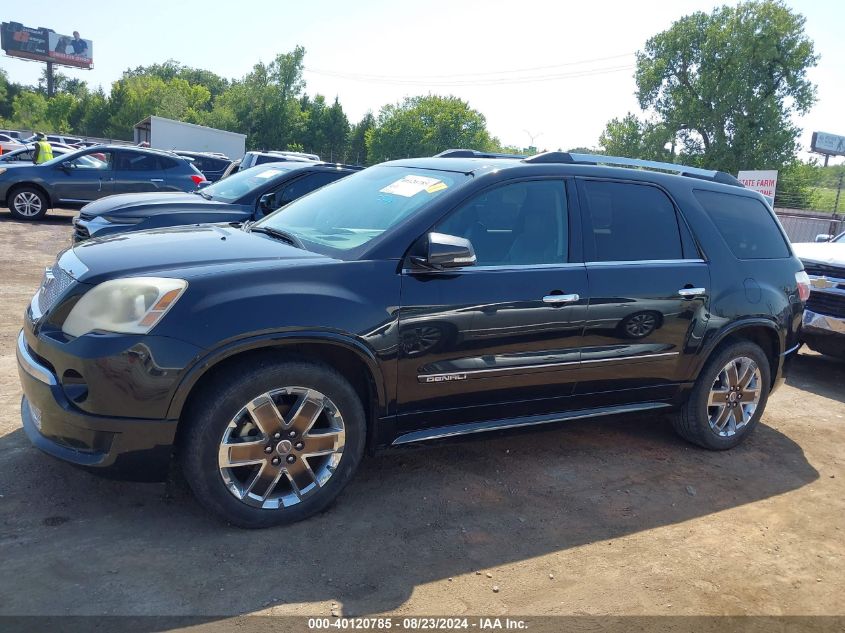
(27, 203)
(641, 325)
(281, 447)
(734, 396)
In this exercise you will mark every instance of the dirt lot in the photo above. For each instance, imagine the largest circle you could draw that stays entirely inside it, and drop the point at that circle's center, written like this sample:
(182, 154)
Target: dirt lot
(616, 516)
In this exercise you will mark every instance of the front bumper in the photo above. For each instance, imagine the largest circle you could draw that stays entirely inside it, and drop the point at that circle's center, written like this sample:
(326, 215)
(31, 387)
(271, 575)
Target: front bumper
(816, 323)
(125, 448)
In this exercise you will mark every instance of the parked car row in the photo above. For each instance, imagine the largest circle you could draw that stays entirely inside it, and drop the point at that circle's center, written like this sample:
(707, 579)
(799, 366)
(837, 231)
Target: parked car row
(414, 300)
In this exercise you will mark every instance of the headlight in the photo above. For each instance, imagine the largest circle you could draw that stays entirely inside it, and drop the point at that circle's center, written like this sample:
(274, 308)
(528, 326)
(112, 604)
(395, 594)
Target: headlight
(129, 306)
(118, 219)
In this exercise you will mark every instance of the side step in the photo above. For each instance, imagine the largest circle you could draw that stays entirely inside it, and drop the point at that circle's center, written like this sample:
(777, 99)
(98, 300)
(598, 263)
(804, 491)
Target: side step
(530, 420)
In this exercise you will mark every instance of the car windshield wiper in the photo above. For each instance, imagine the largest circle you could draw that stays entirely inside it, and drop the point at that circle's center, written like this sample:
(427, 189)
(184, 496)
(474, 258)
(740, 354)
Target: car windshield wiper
(278, 234)
(202, 193)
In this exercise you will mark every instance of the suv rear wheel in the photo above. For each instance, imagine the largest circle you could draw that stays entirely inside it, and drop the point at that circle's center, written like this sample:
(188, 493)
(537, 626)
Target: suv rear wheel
(275, 444)
(728, 398)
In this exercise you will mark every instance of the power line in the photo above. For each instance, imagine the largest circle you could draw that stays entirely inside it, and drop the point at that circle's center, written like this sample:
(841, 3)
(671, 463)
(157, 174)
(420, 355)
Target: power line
(471, 82)
(471, 75)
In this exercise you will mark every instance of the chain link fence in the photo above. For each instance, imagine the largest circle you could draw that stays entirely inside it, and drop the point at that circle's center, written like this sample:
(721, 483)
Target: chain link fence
(810, 201)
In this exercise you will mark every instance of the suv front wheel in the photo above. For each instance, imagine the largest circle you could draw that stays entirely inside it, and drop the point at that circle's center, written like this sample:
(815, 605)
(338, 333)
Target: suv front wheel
(728, 398)
(273, 445)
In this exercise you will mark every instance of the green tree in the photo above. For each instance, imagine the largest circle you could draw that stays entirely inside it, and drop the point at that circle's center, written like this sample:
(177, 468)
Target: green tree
(29, 111)
(728, 83)
(633, 138)
(357, 152)
(424, 126)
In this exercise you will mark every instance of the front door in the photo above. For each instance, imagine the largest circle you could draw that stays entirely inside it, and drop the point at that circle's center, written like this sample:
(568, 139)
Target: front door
(649, 292)
(86, 177)
(499, 339)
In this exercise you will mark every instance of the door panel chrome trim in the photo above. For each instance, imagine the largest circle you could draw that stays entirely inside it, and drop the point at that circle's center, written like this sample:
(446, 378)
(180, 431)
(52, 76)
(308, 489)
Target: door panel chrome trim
(453, 430)
(561, 298)
(648, 262)
(468, 373)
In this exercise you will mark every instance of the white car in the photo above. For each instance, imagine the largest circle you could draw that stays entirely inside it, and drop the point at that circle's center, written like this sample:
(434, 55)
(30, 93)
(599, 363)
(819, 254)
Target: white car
(7, 143)
(823, 328)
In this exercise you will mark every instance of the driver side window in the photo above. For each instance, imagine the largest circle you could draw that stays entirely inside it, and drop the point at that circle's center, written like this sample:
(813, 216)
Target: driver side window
(524, 223)
(94, 160)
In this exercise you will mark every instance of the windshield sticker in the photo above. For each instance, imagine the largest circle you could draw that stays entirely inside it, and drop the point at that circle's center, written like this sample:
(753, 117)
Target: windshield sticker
(409, 186)
(440, 186)
(267, 173)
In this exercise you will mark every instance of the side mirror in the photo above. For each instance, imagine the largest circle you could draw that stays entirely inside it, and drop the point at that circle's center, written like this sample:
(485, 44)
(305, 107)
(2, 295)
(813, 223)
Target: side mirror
(267, 203)
(446, 251)
(67, 165)
(823, 237)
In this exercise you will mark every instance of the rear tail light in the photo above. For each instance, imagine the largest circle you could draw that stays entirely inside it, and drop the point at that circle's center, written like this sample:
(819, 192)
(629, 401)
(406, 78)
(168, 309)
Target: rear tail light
(803, 285)
(197, 179)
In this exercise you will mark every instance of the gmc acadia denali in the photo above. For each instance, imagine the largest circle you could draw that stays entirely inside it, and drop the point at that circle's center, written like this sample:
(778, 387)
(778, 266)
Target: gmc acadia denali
(414, 300)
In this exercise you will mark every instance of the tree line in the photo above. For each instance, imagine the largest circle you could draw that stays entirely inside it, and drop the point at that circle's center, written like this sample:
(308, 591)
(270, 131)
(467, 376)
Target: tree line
(716, 90)
(269, 104)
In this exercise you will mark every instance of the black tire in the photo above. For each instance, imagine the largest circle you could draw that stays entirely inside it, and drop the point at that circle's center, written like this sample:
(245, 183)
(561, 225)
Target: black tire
(692, 422)
(224, 397)
(33, 194)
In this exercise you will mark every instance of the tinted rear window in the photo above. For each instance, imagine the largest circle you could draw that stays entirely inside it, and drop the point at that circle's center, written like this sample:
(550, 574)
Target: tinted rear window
(746, 225)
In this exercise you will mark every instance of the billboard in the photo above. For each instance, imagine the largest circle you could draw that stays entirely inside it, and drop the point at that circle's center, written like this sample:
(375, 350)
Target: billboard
(45, 45)
(824, 143)
(764, 181)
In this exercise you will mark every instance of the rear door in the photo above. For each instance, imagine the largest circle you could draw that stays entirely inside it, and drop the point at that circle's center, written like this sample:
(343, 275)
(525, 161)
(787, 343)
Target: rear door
(136, 172)
(649, 290)
(500, 339)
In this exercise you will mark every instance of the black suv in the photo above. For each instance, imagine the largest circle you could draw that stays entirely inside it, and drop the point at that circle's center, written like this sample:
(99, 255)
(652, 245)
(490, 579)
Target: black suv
(247, 195)
(92, 173)
(414, 300)
(212, 165)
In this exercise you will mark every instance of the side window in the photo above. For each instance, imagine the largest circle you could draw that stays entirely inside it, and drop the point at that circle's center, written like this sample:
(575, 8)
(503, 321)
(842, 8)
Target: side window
(306, 184)
(524, 223)
(169, 163)
(746, 225)
(629, 222)
(94, 160)
(127, 161)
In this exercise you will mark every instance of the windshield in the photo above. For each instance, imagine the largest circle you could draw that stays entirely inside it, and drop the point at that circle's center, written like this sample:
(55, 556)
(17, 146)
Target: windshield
(354, 210)
(839, 240)
(241, 183)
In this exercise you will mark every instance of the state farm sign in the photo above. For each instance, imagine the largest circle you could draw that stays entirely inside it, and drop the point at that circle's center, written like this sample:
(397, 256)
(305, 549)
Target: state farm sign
(765, 181)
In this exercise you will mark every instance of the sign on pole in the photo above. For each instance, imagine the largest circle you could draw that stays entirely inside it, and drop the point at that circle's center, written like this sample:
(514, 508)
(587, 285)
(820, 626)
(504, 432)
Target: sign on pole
(45, 45)
(764, 181)
(824, 143)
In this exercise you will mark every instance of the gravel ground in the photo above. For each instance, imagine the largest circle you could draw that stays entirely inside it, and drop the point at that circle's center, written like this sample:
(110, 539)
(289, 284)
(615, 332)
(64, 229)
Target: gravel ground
(615, 516)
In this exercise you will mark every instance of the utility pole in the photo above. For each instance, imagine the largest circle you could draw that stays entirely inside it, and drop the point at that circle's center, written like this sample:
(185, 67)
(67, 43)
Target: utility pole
(50, 87)
(838, 193)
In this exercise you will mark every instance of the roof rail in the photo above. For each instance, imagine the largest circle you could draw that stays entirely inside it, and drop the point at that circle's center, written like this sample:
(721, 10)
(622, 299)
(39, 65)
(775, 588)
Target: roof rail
(474, 153)
(599, 159)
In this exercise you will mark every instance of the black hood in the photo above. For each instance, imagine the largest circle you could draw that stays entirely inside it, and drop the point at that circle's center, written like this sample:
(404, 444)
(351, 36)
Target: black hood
(183, 251)
(148, 204)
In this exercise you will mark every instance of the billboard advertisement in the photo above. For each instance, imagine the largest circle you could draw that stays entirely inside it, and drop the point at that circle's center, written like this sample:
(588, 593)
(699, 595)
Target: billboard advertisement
(764, 181)
(45, 45)
(824, 143)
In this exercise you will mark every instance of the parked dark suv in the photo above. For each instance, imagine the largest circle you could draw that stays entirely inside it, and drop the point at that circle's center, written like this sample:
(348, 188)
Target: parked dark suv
(247, 195)
(414, 300)
(92, 173)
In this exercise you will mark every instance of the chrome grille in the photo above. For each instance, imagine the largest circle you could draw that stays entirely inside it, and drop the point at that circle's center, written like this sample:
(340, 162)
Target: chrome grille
(826, 270)
(56, 281)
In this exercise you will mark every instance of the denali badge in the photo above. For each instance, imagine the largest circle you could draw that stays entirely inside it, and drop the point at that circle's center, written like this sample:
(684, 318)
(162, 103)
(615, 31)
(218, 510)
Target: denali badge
(444, 378)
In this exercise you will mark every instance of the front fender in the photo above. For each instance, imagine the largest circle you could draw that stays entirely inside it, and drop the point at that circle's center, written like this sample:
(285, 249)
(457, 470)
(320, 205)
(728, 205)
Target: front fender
(276, 340)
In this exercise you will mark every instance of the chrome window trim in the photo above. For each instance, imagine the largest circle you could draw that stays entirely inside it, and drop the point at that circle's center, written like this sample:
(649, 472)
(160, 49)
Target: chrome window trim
(646, 262)
(498, 267)
(455, 375)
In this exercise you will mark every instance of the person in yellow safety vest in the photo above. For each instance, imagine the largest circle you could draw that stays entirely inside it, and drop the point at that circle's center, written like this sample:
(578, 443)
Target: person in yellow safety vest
(43, 150)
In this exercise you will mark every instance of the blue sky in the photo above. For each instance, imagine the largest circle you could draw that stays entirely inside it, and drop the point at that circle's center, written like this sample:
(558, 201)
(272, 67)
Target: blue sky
(460, 47)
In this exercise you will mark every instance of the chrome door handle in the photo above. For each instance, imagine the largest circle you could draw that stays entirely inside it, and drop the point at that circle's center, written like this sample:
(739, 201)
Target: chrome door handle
(560, 298)
(689, 293)
(156, 179)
